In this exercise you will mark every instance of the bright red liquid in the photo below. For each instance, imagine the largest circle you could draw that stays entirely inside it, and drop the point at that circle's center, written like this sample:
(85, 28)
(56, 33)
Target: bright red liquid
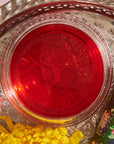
(56, 71)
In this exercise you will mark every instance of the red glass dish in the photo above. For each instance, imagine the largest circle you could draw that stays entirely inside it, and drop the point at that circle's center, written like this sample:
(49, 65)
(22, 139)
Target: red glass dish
(57, 71)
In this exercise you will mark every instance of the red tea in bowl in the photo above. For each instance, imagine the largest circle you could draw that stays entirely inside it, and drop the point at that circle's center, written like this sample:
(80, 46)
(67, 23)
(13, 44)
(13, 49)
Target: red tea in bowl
(56, 71)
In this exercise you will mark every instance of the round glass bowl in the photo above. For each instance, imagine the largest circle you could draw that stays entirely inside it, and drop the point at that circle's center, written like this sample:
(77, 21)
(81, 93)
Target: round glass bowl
(56, 67)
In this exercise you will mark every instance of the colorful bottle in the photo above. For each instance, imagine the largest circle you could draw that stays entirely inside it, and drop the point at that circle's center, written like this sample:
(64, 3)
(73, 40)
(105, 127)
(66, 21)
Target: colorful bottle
(105, 130)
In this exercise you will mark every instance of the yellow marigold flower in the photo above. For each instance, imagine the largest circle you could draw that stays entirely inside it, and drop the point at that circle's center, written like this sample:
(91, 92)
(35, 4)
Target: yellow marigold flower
(55, 133)
(76, 137)
(8, 122)
(62, 130)
(25, 134)
(64, 140)
(36, 135)
(78, 134)
(29, 137)
(24, 139)
(48, 131)
(2, 129)
(54, 141)
(46, 140)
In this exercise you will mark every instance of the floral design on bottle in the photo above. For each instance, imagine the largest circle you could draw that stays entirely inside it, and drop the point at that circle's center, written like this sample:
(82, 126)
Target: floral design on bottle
(105, 130)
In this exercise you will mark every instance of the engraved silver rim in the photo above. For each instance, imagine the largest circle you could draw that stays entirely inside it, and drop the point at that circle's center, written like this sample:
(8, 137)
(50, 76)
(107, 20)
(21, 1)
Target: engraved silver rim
(56, 6)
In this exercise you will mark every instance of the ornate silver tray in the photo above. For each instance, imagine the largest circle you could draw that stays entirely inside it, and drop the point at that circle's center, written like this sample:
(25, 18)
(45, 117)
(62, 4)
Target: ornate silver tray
(97, 13)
